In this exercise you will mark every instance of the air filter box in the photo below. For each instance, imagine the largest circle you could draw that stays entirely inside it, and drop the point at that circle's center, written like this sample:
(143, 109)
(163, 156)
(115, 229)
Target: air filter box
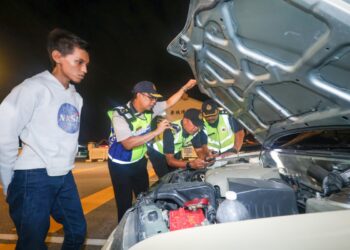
(264, 198)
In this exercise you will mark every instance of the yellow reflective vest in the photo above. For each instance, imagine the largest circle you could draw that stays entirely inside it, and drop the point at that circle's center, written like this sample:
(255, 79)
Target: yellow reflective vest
(138, 126)
(179, 140)
(222, 137)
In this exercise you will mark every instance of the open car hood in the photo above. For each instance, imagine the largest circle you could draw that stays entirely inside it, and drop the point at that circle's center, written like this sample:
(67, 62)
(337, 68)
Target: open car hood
(275, 65)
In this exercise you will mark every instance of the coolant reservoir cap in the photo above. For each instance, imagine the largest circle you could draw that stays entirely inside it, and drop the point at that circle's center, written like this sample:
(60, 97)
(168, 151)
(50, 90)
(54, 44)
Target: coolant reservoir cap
(230, 195)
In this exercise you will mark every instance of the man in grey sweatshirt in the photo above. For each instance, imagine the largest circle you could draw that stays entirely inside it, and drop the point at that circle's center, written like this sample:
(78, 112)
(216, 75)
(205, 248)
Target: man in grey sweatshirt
(44, 112)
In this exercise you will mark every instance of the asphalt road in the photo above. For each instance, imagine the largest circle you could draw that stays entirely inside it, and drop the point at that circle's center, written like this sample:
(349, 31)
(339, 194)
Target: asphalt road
(99, 207)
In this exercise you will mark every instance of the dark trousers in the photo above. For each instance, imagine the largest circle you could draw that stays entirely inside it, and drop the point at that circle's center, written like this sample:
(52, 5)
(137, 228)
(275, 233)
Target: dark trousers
(33, 196)
(159, 162)
(126, 179)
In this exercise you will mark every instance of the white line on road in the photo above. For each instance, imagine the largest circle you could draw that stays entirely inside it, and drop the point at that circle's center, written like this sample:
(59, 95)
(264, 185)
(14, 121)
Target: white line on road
(55, 239)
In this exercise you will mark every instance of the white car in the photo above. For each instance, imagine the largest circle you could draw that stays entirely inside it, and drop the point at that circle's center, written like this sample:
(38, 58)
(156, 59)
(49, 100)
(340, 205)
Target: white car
(282, 68)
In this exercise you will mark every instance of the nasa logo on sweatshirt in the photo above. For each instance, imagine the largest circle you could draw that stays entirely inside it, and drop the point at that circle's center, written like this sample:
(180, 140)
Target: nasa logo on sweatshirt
(68, 118)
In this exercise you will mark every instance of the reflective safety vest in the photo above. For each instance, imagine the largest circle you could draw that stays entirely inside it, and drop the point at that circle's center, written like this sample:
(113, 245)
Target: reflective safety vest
(179, 140)
(138, 126)
(222, 137)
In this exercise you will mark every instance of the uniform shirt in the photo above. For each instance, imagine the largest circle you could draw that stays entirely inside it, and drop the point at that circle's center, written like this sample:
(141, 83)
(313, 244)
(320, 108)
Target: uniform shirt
(121, 127)
(233, 123)
(168, 141)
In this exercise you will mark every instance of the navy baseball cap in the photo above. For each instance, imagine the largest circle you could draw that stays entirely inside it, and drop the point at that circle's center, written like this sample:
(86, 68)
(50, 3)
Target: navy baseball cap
(210, 108)
(195, 116)
(146, 87)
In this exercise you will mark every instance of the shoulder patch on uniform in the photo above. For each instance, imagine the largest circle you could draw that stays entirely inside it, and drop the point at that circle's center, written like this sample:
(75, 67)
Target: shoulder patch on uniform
(125, 112)
(121, 110)
(128, 116)
(175, 127)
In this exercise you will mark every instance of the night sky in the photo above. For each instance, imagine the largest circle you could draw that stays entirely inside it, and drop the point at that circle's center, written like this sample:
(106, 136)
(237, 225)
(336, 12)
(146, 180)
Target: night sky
(128, 40)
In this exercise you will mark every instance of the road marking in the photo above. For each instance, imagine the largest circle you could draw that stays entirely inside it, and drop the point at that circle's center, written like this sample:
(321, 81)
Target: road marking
(8, 237)
(95, 200)
(151, 172)
(7, 246)
(49, 239)
(86, 169)
(89, 203)
(88, 242)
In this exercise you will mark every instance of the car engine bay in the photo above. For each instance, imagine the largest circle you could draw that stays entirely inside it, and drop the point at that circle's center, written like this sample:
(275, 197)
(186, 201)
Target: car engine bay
(190, 198)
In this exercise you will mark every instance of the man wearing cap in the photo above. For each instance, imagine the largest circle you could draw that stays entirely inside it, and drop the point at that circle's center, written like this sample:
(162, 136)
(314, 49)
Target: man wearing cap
(165, 153)
(130, 131)
(222, 133)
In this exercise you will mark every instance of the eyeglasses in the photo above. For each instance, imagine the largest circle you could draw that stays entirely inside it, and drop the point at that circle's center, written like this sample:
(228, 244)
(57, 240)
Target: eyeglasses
(152, 98)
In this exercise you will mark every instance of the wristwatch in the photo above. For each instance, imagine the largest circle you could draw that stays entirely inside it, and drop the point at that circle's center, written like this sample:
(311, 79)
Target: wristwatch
(188, 165)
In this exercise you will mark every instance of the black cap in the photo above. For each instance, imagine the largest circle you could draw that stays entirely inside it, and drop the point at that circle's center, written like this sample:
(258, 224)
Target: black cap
(146, 87)
(195, 116)
(210, 108)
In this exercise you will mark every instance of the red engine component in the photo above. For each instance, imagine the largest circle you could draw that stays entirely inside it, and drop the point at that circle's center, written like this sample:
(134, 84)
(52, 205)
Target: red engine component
(185, 218)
